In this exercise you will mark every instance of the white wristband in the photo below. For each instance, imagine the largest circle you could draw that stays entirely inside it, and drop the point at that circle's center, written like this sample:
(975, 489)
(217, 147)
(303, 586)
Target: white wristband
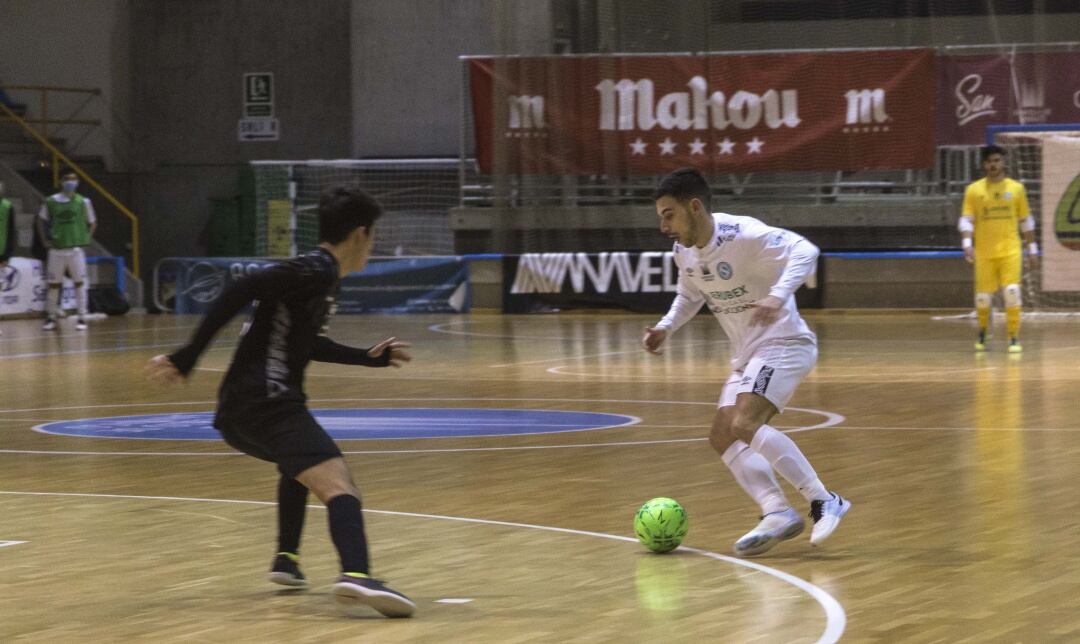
(965, 242)
(1033, 249)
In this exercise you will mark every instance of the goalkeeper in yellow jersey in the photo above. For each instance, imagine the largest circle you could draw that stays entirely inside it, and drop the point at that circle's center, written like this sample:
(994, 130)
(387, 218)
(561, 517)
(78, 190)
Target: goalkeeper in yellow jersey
(995, 207)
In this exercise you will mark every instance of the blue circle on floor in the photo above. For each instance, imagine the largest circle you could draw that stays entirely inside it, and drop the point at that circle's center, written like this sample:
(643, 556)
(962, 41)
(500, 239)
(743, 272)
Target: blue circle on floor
(356, 424)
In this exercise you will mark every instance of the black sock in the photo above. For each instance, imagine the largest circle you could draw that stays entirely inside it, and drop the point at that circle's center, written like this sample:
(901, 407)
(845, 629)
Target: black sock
(292, 504)
(347, 531)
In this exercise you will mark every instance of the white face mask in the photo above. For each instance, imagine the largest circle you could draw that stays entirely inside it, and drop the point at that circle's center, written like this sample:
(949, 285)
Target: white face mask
(69, 186)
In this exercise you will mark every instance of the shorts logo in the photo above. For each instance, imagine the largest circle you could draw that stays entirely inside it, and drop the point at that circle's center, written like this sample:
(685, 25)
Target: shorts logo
(723, 269)
(762, 381)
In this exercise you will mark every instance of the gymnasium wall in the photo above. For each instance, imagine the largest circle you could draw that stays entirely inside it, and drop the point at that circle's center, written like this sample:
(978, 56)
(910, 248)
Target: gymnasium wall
(406, 76)
(72, 44)
(188, 59)
(708, 25)
(353, 78)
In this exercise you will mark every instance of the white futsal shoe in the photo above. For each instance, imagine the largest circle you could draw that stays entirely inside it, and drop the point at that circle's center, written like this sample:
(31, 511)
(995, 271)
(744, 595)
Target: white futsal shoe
(774, 528)
(826, 516)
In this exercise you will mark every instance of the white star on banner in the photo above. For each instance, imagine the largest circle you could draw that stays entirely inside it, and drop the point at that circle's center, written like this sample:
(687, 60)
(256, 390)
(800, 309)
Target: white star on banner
(667, 146)
(638, 146)
(753, 146)
(727, 146)
(697, 146)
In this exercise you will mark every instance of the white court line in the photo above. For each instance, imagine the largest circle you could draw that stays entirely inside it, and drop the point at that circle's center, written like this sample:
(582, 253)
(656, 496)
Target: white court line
(435, 328)
(543, 447)
(577, 357)
(398, 399)
(636, 350)
(83, 334)
(835, 617)
(381, 375)
(4, 544)
(25, 420)
(216, 346)
(448, 450)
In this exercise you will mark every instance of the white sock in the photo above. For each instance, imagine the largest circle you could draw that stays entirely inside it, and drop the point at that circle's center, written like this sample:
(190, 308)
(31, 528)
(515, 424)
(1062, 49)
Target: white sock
(50, 303)
(783, 454)
(753, 474)
(81, 295)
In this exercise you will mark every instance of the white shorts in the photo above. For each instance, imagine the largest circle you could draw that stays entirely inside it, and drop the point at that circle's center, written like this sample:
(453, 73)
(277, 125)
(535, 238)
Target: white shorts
(66, 260)
(774, 371)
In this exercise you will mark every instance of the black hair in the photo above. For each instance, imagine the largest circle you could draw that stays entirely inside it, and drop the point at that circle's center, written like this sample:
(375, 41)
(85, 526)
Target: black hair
(343, 209)
(990, 150)
(684, 184)
(68, 170)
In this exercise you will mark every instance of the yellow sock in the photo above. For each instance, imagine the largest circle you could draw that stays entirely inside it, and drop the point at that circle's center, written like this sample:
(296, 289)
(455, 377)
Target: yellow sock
(1012, 320)
(984, 318)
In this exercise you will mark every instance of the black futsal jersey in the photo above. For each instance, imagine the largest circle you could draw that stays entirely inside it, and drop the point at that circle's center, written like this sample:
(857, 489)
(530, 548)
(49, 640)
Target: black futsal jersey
(294, 301)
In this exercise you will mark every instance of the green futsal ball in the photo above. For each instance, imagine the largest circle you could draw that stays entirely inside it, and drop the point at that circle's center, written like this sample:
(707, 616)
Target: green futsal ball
(661, 524)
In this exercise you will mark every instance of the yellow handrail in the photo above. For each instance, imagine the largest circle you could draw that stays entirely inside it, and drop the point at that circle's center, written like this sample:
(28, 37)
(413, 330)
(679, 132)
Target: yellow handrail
(44, 90)
(58, 155)
(51, 88)
(58, 121)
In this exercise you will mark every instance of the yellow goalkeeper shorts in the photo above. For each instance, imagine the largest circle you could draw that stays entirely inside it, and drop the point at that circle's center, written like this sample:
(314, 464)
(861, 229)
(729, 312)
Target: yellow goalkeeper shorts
(997, 272)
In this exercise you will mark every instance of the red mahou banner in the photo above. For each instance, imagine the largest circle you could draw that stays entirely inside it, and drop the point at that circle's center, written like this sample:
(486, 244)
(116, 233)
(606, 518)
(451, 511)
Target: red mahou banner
(627, 115)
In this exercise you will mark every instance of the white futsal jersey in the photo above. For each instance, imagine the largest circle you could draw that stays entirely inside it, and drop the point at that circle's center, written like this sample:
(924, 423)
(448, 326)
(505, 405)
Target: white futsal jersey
(744, 261)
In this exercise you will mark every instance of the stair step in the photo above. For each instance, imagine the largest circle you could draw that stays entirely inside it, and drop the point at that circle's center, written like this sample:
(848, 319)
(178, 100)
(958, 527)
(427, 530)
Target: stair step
(22, 163)
(19, 148)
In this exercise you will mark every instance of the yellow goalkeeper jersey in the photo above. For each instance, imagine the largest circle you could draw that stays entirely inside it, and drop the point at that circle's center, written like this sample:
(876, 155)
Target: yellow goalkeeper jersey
(996, 209)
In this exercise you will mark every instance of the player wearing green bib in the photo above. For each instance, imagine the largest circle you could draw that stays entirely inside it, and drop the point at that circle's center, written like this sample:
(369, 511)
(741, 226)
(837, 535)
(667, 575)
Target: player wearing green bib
(66, 223)
(7, 232)
(7, 229)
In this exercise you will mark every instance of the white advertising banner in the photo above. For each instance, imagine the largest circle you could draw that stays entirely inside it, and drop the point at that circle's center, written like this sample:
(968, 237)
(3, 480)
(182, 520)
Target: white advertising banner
(1061, 213)
(23, 289)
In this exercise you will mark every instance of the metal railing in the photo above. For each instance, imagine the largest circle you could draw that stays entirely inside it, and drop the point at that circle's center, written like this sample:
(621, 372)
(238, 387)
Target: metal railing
(57, 157)
(45, 120)
(954, 167)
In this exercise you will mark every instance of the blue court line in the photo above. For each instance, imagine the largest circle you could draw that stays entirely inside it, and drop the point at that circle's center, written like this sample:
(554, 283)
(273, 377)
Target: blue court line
(356, 424)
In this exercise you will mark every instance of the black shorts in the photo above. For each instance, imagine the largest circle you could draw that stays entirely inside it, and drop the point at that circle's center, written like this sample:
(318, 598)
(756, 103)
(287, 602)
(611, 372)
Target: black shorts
(293, 440)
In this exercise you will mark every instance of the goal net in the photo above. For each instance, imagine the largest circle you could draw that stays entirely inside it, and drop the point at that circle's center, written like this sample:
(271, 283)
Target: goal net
(416, 195)
(1046, 159)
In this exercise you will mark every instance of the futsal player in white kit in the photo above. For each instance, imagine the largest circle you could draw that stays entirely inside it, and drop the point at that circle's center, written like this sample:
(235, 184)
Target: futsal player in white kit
(747, 272)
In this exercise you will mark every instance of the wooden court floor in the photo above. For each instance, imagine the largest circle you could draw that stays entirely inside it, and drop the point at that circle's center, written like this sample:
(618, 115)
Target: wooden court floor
(962, 470)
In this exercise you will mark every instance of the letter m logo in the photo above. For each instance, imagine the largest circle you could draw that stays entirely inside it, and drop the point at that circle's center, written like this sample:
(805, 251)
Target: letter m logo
(526, 112)
(865, 106)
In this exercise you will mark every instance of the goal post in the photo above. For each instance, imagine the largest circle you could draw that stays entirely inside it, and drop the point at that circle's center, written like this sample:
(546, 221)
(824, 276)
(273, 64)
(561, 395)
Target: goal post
(1046, 159)
(416, 195)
